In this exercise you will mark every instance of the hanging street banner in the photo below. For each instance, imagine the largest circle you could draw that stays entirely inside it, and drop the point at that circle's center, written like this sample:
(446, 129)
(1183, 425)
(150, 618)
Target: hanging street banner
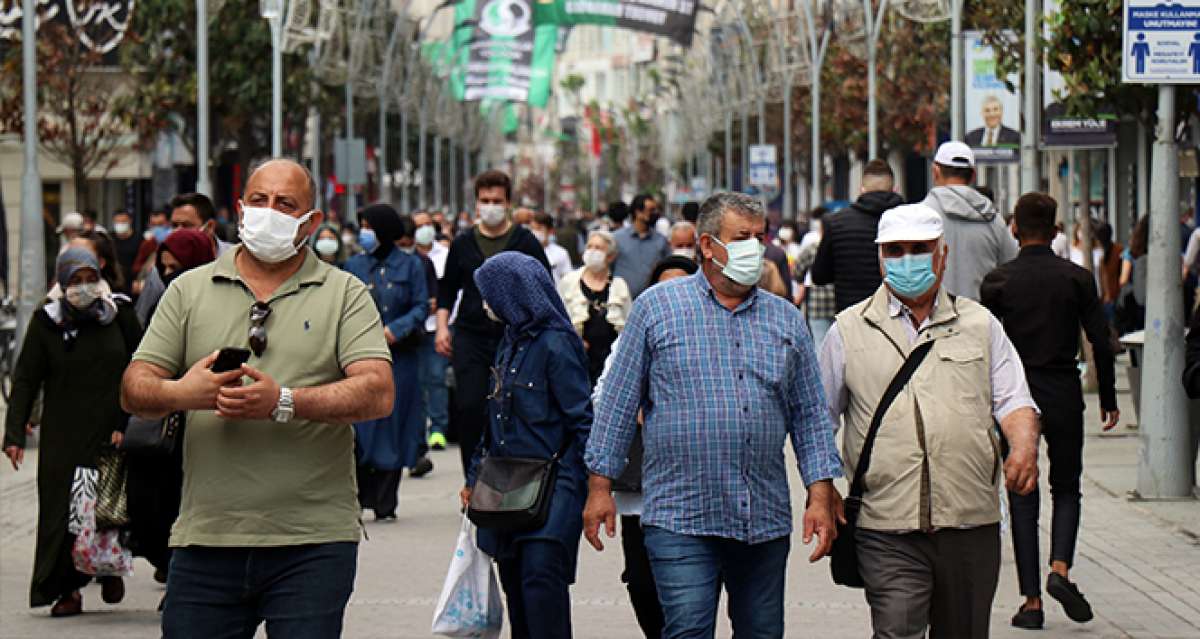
(99, 25)
(1162, 42)
(674, 19)
(500, 53)
(992, 112)
(1060, 130)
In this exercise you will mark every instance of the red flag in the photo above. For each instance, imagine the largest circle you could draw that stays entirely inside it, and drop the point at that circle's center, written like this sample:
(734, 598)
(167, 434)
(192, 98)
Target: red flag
(595, 141)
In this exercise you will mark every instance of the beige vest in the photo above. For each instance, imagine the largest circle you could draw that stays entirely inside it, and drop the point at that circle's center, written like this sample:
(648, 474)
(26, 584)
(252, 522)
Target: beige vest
(936, 462)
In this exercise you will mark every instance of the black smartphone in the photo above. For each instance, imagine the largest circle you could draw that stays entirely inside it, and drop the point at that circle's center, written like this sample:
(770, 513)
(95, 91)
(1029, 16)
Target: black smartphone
(230, 359)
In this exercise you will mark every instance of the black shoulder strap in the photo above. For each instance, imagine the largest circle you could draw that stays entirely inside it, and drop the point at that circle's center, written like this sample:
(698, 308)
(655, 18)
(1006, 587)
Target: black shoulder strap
(897, 384)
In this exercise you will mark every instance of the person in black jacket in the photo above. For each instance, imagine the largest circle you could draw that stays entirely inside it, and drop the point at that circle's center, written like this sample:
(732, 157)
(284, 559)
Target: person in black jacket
(1042, 300)
(472, 348)
(848, 257)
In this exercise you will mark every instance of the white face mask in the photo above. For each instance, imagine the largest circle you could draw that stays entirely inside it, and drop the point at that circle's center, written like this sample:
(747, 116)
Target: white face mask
(491, 214)
(327, 246)
(685, 251)
(595, 260)
(82, 296)
(540, 235)
(785, 235)
(425, 235)
(122, 228)
(269, 235)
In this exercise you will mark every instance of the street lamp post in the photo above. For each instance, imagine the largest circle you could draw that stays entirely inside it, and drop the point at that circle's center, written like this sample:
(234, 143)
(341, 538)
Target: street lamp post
(203, 185)
(873, 22)
(32, 272)
(272, 11)
(956, 70)
(817, 48)
(1030, 166)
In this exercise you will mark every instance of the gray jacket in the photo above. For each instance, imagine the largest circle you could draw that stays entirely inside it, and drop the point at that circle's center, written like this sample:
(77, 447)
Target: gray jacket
(979, 240)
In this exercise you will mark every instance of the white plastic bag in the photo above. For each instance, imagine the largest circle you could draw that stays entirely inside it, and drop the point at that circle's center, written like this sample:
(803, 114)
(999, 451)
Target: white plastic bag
(470, 604)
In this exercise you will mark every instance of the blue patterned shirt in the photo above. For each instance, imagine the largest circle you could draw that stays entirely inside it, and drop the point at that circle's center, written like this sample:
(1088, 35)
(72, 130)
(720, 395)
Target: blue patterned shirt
(720, 391)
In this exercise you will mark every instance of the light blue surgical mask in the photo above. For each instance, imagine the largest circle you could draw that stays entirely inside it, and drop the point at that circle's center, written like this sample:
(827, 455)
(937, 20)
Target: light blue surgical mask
(910, 276)
(367, 240)
(745, 263)
(160, 232)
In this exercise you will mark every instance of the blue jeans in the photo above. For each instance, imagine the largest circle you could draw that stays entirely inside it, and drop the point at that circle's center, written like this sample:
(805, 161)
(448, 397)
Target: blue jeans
(687, 571)
(435, 397)
(819, 328)
(225, 593)
(536, 585)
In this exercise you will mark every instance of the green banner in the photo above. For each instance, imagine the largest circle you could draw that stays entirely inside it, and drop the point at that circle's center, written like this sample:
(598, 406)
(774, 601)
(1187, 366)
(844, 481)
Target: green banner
(500, 54)
(675, 19)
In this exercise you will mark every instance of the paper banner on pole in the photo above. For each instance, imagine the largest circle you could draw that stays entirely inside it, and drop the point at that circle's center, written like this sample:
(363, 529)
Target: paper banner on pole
(1060, 130)
(1161, 42)
(500, 53)
(674, 19)
(764, 171)
(992, 112)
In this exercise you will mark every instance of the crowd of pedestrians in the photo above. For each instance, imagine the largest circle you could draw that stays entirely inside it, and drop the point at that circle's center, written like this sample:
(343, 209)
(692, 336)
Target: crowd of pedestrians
(657, 365)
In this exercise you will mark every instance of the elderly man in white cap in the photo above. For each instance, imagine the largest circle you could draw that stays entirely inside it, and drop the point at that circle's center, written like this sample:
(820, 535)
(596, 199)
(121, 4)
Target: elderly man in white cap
(918, 375)
(978, 238)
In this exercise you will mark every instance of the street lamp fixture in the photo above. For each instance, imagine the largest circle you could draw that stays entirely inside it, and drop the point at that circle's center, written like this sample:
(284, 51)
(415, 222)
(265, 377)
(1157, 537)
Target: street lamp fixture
(272, 11)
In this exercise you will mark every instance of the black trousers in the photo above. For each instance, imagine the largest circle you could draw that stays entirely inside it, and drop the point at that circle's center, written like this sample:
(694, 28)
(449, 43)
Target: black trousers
(474, 354)
(943, 581)
(1060, 397)
(639, 579)
(379, 490)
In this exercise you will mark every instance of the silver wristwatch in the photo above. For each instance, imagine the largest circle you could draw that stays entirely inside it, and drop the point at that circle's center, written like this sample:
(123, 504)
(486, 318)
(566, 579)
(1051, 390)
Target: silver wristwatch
(286, 408)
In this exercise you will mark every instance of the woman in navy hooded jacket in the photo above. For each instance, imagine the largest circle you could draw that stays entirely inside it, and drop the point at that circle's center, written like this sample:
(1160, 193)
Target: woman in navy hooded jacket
(541, 402)
(396, 280)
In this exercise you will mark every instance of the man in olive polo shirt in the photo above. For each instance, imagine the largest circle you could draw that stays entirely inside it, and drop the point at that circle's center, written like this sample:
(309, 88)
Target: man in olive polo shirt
(269, 524)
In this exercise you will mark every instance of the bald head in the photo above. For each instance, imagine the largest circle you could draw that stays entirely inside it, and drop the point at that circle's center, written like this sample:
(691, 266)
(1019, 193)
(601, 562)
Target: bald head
(281, 181)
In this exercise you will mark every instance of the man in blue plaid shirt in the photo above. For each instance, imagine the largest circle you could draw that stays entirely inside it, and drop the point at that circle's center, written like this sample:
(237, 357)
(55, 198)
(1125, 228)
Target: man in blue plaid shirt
(722, 374)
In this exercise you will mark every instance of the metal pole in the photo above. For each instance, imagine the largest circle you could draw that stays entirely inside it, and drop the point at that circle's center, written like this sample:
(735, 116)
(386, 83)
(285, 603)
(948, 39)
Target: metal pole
(32, 283)
(545, 184)
(874, 23)
(744, 168)
(422, 123)
(1030, 165)
(276, 86)
(468, 193)
(437, 171)
(1143, 170)
(789, 204)
(384, 195)
(405, 187)
(956, 70)
(729, 151)
(203, 185)
(349, 204)
(452, 190)
(595, 182)
(1165, 465)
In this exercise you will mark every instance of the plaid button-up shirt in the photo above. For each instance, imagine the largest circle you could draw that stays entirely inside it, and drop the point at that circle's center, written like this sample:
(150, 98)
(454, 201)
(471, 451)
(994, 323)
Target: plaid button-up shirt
(720, 391)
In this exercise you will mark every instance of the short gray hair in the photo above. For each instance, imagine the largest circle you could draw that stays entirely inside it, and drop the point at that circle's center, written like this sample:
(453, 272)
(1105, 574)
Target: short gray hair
(607, 237)
(682, 225)
(713, 210)
(312, 182)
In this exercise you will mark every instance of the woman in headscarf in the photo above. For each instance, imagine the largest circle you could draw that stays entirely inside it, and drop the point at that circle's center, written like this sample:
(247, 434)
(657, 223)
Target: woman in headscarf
(396, 280)
(540, 407)
(154, 486)
(328, 245)
(76, 349)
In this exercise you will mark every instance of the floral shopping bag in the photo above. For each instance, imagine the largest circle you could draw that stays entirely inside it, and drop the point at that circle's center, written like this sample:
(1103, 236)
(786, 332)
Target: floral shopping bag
(102, 553)
(470, 604)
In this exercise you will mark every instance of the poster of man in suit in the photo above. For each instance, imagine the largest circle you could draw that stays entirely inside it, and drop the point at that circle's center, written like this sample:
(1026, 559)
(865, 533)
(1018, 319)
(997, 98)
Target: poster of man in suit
(992, 112)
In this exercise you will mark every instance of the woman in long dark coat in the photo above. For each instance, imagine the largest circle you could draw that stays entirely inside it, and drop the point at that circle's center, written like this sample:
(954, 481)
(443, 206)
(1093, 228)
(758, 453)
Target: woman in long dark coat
(541, 406)
(155, 482)
(396, 280)
(75, 351)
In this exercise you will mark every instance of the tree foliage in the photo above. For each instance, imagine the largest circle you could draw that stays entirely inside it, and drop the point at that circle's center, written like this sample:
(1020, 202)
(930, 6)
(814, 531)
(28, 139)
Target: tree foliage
(76, 121)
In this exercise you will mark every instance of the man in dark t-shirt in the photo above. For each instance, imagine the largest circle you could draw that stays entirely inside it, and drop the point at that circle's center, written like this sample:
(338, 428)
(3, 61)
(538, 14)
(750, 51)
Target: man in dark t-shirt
(472, 344)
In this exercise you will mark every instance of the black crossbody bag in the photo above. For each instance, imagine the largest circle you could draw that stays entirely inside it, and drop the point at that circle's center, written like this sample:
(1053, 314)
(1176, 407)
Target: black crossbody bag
(843, 559)
(512, 494)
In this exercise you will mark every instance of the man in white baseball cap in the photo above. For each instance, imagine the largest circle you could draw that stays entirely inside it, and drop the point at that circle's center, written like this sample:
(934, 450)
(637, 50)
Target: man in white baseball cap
(70, 228)
(975, 231)
(924, 506)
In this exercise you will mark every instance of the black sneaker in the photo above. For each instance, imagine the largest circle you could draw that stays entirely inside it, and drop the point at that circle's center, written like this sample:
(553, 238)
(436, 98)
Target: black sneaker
(1029, 619)
(423, 467)
(1067, 594)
